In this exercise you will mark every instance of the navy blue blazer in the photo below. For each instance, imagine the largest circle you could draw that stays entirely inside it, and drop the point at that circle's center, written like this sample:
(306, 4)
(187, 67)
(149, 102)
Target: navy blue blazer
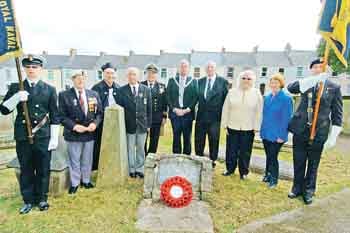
(72, 114)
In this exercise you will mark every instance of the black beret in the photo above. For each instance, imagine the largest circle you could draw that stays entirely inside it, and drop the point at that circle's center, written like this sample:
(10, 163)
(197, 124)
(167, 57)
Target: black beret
(107, 66)
(315, 62)
(32, 60)
(152, 68)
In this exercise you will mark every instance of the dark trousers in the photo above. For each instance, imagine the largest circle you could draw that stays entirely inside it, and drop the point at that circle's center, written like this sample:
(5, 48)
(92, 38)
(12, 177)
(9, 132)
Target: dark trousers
(212, 129)
(239, 145)
(182, 127)
(97, 147)
(153, 138)
(272, 167)
(305, 158)
(34, 163)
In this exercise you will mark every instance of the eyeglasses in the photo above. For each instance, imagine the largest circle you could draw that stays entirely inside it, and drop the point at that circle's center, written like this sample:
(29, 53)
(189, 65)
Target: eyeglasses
(244, 78)
(33, 67)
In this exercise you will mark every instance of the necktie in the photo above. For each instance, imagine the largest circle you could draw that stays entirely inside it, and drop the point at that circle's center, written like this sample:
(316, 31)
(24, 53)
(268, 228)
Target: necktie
(81, 101)
(151, 85)
(134, 90)
(208, 87)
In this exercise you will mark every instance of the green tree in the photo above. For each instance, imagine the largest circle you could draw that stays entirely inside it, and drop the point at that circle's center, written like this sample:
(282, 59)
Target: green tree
(333, 61)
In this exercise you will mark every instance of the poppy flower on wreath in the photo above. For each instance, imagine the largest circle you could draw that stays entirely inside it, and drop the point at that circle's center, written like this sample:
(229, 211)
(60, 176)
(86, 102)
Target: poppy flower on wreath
(176, 192)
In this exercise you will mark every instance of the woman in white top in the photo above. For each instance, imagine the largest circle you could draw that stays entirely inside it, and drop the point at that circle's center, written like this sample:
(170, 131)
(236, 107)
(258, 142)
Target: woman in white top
(241, 117)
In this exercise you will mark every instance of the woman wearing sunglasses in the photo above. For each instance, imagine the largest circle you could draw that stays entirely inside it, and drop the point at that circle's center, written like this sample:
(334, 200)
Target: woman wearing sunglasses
(241, 117)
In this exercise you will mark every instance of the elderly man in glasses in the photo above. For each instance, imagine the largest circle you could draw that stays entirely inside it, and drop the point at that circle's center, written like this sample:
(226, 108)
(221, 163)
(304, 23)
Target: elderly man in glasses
(34, 159)
(241, 117)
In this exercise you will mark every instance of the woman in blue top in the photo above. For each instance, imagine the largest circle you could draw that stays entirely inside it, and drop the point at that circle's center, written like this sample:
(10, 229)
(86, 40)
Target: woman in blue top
(277, 111)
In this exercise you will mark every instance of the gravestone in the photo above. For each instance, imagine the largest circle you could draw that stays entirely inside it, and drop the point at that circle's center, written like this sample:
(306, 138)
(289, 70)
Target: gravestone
(113, 163)
(154, 216)
(59, 177)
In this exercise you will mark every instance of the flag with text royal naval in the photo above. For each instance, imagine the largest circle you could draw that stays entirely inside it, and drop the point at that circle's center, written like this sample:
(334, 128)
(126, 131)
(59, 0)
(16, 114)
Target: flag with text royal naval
(10, 43)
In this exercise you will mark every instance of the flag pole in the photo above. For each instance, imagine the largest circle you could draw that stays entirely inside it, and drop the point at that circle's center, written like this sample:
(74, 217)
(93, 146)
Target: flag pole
(319, 94)
(24, 103)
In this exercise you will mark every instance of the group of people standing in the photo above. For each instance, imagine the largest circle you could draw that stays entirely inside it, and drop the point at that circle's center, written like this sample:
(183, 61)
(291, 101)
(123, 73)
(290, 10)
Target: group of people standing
(240, 110)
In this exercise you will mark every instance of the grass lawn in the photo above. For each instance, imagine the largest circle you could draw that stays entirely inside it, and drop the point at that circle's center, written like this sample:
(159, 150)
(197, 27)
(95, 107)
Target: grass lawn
(233, 203)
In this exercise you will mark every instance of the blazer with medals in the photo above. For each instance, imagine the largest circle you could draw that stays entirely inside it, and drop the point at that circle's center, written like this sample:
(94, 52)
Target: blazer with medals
(190, 97)
(103, 91)
(137, 109)
(331, 111)
(159, 102)
(42, 102)
(72, 114)
(210, 108)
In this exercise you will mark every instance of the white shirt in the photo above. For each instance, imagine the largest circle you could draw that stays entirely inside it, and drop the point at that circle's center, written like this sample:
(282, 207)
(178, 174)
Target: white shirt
(182, 83)
(136, 88)
(83, 94)
(111, 100)
(213, 78)
(32, 81)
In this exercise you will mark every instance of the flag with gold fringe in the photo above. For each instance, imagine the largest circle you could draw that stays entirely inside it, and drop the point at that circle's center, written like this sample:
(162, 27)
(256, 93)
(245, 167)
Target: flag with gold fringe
(10, 43)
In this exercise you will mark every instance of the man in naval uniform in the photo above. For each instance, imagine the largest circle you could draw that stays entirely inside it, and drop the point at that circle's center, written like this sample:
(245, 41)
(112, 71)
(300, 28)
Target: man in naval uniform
(306, 153)
(159, 107)
(34, 159)
(108, 91)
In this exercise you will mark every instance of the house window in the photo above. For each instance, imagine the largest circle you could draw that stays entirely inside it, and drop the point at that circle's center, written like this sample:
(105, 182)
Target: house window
(50, 75)
(99, 75)
(67, 74)
(300, 72)
(230, 71)
(263, 72)
(334, 74)
(262, 88)
(163, 73)
(281, 70)
(197, 72)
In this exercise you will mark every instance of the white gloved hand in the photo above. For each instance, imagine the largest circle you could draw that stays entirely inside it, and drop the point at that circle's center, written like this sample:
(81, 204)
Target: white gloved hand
(332, 137)
(23, 96)
(311, 81)
(12, 102)
(54, 134)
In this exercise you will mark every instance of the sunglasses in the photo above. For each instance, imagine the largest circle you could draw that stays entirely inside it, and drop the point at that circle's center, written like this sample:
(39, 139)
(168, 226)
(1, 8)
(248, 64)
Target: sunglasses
(33, 67)
(244, 78)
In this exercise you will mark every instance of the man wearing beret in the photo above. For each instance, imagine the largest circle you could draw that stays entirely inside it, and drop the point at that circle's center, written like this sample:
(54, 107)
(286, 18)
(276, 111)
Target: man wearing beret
(159, 107)
(34, 159)
(109, 94)
(81, 114)
(306, 152)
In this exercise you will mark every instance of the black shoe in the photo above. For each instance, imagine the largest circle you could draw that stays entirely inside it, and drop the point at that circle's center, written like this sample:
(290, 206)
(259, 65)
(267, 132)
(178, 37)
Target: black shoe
(43, 206)
(88, 185)
(307, 199)
(140, 175)
(244, 177)
(266, 179)
(213, 164)
(292, 195)
(272, 185)
(26, 209)
(132, 175)
(227, 173)
(73, 189)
